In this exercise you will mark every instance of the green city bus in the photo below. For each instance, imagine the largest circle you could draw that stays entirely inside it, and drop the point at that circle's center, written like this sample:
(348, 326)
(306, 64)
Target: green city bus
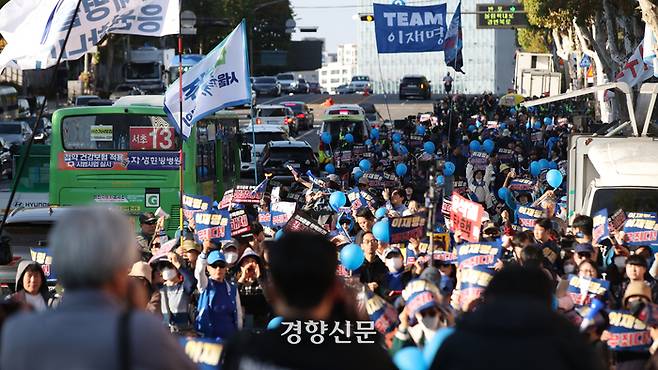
(128, 156)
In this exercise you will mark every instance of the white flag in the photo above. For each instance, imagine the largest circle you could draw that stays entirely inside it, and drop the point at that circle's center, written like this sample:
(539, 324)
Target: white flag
(635, 70)
(35, 29)
(219, 80)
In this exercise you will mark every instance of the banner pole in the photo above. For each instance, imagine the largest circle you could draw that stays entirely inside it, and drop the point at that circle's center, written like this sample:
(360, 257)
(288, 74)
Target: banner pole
(180, 117)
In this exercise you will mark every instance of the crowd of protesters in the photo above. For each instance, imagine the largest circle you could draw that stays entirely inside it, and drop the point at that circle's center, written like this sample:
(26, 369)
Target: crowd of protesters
(551, 296)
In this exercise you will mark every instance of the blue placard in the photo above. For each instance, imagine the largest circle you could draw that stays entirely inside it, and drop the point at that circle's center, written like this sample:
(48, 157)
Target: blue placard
(204, 352)
(640, 231)
(193, 204)
(628, 333)
(479, 254)
(43, 257)
(528, 216)
(409, 29)
(582, 290)
(402, 229)
(214, 225)
(600, 230)
(472, 284)
(273, 218)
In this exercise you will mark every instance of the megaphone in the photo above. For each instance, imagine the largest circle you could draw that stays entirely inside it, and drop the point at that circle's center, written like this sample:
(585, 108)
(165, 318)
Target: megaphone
(160, 213)
(594, 309)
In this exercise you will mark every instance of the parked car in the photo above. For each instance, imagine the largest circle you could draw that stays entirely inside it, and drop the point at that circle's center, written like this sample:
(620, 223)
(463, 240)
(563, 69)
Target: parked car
(266, 86)
(372, 115)
(287, 82)
(303, 114)
(314, 88)
(262, 134)
(15, 133)
(301, 87)
(361, 84)
(277, 115)
(83, 100)
(344, 89)
(415, 85)
(281, 156)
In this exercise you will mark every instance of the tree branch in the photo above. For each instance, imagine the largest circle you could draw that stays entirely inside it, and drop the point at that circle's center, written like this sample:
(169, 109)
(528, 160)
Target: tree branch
(610, 26)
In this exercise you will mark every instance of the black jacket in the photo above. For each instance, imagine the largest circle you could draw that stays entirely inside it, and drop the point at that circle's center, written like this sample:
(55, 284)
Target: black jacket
(514, 335)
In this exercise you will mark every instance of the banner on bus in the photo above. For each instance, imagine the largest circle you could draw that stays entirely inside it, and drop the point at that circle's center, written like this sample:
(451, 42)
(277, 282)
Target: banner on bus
(118, 161)
(409, 29)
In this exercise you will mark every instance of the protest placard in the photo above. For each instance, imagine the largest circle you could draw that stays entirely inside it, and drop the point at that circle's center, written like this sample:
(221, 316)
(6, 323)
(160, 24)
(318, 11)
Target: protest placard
(246, 195)
(600, 223)
(627, 333)
(479, 160)
(640, 231)
(301, 222)
(401, 229)
(617, 220)
(582, 290)
(466, 216)
(239, 223)
(193, 204)
(479, 254)
(528, 217)
(204, 352)
(213, 225)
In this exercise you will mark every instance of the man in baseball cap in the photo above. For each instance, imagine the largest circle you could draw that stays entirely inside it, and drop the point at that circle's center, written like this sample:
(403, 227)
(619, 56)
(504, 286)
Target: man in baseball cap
(147, 223)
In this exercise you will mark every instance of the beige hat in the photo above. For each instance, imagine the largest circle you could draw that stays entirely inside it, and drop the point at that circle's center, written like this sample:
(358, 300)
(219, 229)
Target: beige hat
(141, 269)
(637, 289)
(189, 245)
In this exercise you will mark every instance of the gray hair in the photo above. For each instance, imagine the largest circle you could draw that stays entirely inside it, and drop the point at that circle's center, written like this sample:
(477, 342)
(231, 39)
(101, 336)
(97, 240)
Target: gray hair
(90, 245)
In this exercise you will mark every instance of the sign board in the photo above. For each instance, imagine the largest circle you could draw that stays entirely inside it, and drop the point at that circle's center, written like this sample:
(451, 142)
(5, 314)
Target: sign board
(409, 29)
(501, 16)
(466, 216)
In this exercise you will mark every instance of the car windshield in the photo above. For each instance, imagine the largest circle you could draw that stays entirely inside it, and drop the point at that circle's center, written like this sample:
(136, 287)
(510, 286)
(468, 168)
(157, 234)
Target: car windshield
(298, 155)
(141, 71)
(266, 137)
(356, 128)
(29, 234)
(285, 77)
(630, 200)
(84, 100)
(412, 80)
(297, 108)
(360, 78)
(271, 112)
(10, 128)
(265, 80)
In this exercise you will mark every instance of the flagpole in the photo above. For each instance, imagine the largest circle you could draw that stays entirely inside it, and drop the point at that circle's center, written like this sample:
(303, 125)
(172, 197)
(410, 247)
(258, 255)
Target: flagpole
(180, 117)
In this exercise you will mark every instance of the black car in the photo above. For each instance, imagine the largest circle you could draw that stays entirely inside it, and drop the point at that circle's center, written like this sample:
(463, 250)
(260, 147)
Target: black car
(266, 86)
(303, 114)
(43, 131)
(279, 157)
(415, 86)
(314, 88)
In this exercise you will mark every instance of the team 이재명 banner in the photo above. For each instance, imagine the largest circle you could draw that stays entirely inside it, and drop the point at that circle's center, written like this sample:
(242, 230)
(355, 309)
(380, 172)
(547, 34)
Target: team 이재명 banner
(409, 29)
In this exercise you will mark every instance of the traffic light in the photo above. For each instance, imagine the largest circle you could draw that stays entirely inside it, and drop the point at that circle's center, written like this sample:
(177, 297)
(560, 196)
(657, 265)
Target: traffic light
(367, 18)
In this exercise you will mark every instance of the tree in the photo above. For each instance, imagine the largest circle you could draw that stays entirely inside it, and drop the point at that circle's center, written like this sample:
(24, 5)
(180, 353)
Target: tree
(533, 40)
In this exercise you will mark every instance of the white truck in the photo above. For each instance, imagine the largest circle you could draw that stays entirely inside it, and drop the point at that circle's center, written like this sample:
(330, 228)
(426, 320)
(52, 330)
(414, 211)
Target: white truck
(145, 69)
(534, 75)
(617, 168)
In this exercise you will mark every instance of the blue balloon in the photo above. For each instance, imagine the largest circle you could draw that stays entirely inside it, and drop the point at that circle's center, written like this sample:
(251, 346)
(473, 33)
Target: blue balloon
(488, 146)
(337, 199)
(278, 234)
(440, 180)
(543, 164)
(448, 169)
(478, 124)
(404, 150)
(420, 130)
(397, 137)
(368, 142)
(357, 174)
(502, 126)
(410, 358)
(537, 125)
(512, 110)
(330, 168)
(401, 169)
(548, 121)
(535, 169)
(552, 165)
(381, 232)
(432, 347)
(326, 138)
(429, 147)
(474, 146)
(471, 128)
(380, 212)
(374, 134)
(527, 124)
(275, 323)
(396, 147)
(503, 193)
(365, 165)
(554, 178)
(349, 138)
(351, 256)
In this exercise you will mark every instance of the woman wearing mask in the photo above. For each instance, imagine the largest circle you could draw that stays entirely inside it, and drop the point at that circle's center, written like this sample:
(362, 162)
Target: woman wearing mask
(31, 287)
(479, 182)
(397, 277)
(230, 251)
(256, 309)
(176, 294)
(141, 295)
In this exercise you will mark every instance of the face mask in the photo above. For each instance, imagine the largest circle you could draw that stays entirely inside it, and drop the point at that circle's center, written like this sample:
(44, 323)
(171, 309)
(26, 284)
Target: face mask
(231, 257)
(169, 274)
(620, 261)
(569, 269)
(394, 264)
(429, 322)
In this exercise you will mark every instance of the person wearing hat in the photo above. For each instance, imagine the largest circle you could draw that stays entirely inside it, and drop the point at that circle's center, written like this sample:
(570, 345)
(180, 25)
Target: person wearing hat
(148, 224)
(191, 251)
(636, 296)
(219, 309)
(176, 293)
(141, 294)
(257, 310)
(582, 252)
(397, 277)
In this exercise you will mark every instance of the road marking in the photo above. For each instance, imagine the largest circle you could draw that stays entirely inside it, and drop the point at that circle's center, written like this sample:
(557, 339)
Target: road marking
(270, 101)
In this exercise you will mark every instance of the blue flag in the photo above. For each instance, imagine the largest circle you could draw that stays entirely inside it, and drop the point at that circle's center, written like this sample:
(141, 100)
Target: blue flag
(260, 189)
(409, 29)
(454, 43)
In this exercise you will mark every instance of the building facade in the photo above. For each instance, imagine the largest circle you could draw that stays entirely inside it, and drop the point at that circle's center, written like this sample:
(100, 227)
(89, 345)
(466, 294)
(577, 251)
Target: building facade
(488, 56)
(340, 71)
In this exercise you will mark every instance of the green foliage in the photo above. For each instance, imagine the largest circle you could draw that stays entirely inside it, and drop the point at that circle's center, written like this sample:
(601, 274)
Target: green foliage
(533, 40)
(558, 14)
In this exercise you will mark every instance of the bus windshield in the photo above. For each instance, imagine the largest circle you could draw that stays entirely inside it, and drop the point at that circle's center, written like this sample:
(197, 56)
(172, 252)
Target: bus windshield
(628, 199)
(119, 132)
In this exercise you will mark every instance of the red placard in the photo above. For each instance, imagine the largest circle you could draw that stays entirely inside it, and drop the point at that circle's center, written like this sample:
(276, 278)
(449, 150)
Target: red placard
(466, 216)
(152, 138)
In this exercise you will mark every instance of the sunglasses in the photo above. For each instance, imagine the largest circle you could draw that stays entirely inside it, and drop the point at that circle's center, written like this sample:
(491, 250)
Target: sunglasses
(584, 254)
(150, 222)
(218, 265)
